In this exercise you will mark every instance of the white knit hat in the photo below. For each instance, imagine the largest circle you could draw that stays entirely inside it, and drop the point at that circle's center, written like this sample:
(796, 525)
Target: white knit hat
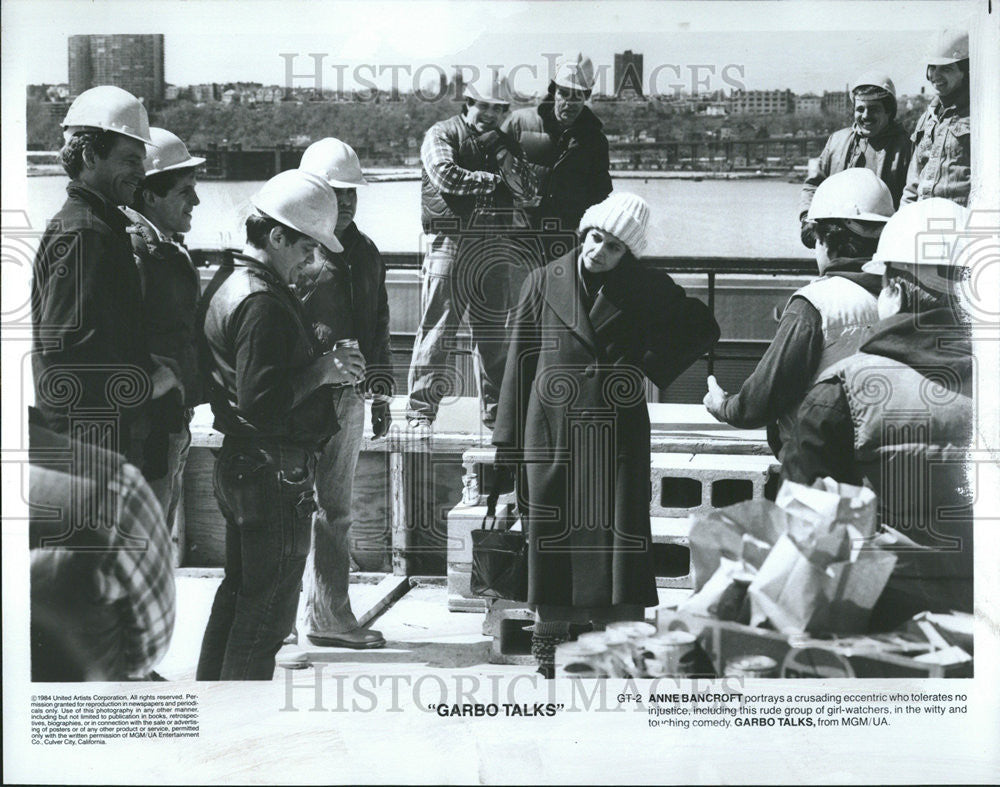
(624, 215)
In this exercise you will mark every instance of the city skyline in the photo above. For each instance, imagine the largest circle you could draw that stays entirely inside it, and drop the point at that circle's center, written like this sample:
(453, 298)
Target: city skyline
(676, 41)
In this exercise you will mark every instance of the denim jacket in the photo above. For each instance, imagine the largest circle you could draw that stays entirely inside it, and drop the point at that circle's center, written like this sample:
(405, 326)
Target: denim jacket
(941, 163)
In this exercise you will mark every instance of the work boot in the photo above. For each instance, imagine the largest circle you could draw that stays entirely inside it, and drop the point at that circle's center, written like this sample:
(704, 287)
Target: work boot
(544, 639)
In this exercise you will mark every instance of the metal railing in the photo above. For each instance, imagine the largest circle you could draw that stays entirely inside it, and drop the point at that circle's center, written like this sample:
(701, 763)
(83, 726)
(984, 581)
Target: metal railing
(711, 267)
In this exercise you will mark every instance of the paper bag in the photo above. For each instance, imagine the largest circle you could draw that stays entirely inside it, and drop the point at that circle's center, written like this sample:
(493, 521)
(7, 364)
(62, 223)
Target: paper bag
(719, 534)
(705, 601)
(827, 502)
(787, 589)
(798, 596)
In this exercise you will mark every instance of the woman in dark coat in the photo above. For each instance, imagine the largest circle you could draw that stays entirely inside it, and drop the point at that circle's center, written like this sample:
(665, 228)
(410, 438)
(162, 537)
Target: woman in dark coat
(589, 328)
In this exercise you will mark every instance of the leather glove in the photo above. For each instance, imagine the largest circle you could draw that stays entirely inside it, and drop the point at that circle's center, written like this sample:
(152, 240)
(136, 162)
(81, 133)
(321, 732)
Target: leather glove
(381, 419)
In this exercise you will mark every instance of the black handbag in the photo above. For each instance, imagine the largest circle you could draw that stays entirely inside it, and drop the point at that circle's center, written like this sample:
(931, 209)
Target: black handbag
(499, 558)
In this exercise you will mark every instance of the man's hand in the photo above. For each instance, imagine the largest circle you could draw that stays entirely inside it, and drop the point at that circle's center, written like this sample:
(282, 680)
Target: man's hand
(715, 398)
(492, 142)
(323, 334)
(381, 419)
(166, 377)
(343, 366)
(807, 232)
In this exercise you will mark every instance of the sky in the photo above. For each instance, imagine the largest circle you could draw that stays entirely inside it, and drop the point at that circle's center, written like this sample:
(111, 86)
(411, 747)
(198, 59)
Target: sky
(804, 46)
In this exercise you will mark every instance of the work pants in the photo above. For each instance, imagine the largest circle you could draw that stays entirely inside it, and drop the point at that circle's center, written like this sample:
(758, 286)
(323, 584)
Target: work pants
(468, 276)
(328, 567)
(265, 492)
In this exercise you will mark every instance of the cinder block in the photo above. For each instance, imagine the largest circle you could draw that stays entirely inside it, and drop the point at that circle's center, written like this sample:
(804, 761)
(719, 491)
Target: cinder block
(671, 551)
(684, 484)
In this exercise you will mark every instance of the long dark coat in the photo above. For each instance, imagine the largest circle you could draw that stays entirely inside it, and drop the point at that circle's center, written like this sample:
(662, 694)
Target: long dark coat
(573, 414)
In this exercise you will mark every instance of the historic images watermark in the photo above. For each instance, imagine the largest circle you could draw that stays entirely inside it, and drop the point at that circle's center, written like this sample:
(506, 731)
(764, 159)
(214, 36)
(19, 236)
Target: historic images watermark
(430, 81)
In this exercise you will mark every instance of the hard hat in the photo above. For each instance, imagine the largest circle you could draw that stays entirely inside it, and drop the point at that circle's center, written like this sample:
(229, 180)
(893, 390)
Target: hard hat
(921, 238)
(575, 71)
(949, 47)
(167, 153)
(492, 89)
(875, 79)
(856, 193)
(108, 108)
(335, 162)
(303, 201)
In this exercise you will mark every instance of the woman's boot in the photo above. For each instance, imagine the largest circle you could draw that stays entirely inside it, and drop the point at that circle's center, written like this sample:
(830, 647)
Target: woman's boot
(544, 639)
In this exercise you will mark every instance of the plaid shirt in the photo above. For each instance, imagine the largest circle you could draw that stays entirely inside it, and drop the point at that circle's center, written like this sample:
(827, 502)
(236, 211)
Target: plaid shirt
(118, 556)
(438, 154)
(141, 577)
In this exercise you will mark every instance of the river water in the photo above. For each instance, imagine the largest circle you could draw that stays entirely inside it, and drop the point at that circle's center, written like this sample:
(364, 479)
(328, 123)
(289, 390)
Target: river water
(726, 218)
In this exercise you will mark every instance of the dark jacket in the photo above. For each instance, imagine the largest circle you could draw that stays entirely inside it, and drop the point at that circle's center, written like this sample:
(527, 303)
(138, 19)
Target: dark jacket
(170, 289)
(897, 416)
(573, 411)
(942, 153)
(574, 162)
(255, 339)
(887, 154)
(89, 349)
(350, 298)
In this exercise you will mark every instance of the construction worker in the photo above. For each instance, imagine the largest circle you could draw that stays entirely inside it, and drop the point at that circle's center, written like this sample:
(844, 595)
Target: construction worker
(474, 183)
(563, 137)
(942, 163)
(823, 321)
(93, 374)
(876, 141)
(343, 297)
(270, 391)
(160, 214)
(897, 415)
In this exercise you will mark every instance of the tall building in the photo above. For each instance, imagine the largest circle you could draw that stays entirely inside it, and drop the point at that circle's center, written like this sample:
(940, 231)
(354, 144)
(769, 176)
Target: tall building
(837, 103)
(628, 75)
(761, 102)
(131, 62)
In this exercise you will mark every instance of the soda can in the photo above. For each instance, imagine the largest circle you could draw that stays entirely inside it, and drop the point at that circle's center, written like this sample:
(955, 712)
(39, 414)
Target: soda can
(352, 343)
(668, 653)
(636, 631)
(756, 666)
(581, 660)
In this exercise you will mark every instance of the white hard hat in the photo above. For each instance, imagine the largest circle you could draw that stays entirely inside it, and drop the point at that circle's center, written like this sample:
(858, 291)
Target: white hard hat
(168, 152)
(875, 79)
(575, 71)
(335, 162)
(922, 237)
(304, 202)
(856, 193)
(107, 108)
(950, 46)
(491, 88)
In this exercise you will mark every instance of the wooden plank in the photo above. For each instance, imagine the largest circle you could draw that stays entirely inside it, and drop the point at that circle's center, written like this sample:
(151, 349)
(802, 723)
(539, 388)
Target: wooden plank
(379, 598)
(397, 514)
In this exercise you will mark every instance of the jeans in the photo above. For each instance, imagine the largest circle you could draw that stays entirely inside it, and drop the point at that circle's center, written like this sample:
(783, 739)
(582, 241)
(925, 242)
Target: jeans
(328, 567)
(265, 492)
(468, 276)
(168, 488)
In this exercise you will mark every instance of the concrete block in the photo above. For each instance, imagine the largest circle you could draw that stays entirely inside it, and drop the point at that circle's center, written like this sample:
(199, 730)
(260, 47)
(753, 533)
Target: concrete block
(684, 484)
(499, 610)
